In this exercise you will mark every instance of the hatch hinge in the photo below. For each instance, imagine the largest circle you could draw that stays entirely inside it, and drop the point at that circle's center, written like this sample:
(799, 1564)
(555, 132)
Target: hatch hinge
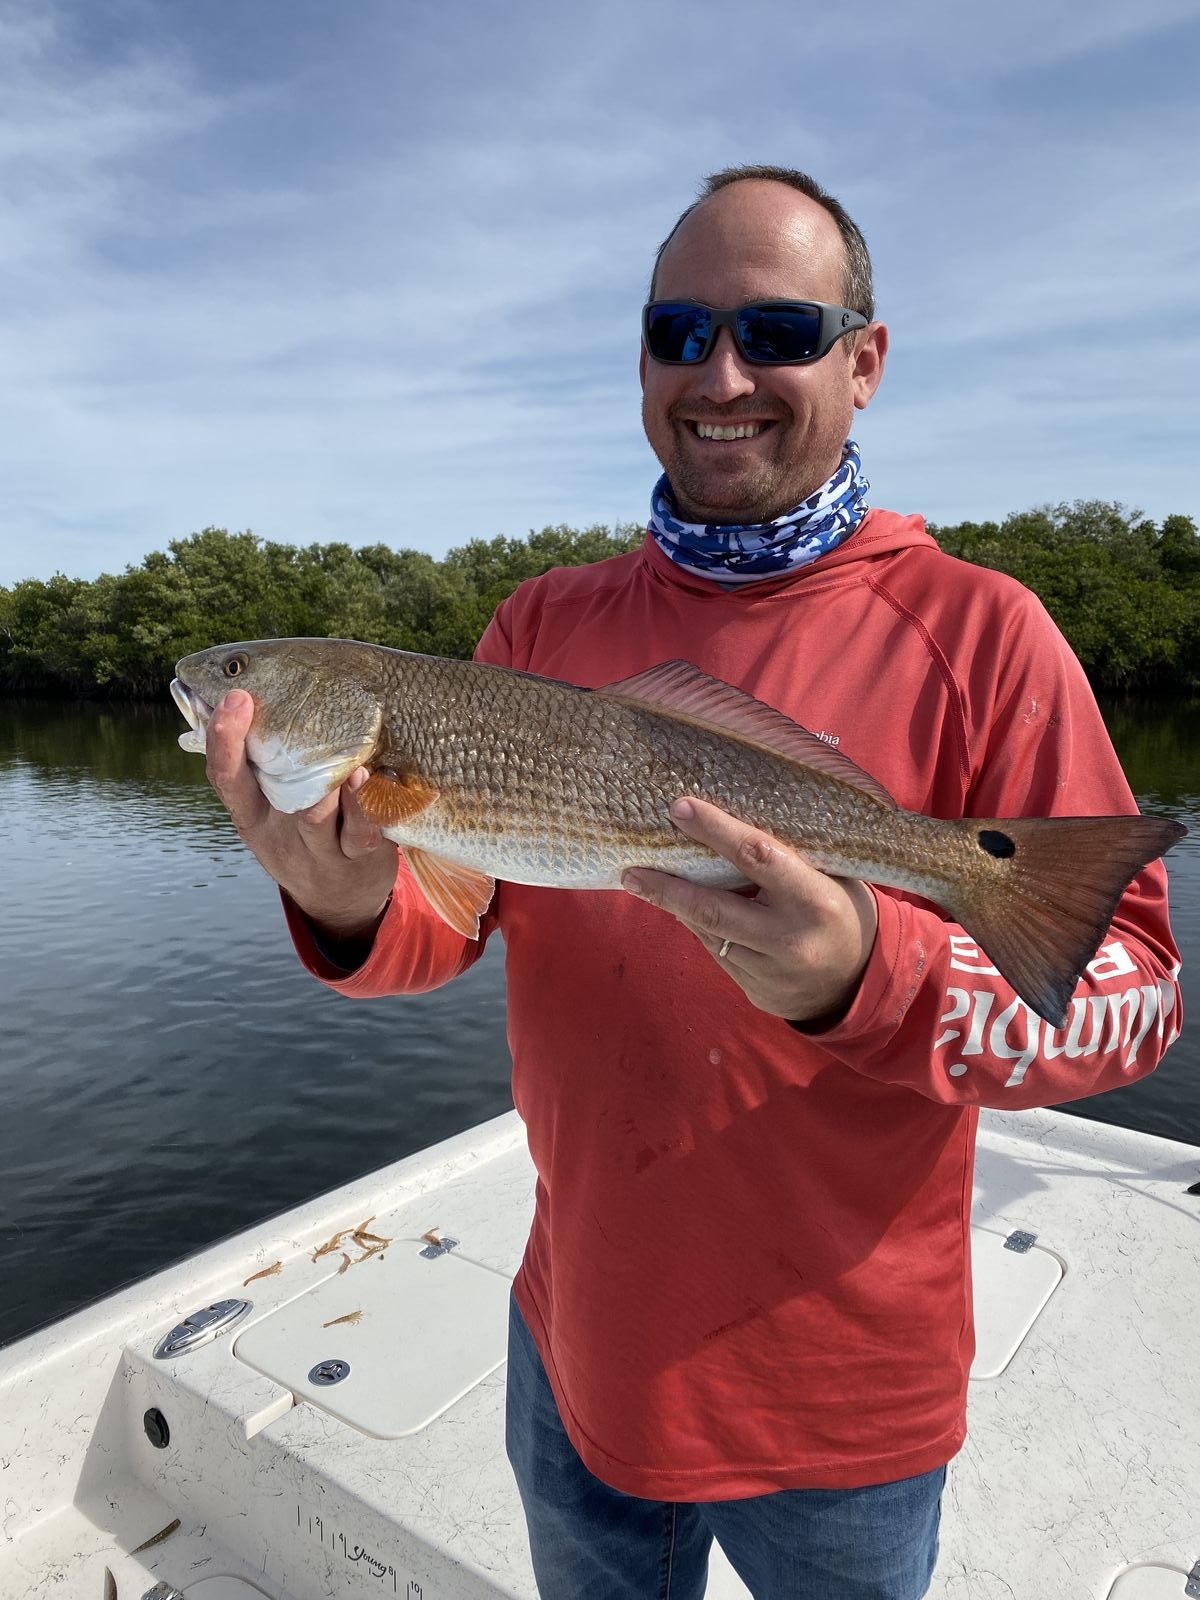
(438, 1246)
(1020, 1240)
(1192, 1587)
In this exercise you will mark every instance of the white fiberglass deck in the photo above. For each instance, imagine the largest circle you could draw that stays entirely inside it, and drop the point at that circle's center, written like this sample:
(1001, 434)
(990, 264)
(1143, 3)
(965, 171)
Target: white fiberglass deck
(1081, 1477)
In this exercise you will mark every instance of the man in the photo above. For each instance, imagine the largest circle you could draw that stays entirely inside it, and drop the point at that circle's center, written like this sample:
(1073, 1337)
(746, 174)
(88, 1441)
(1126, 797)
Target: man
(744, 1308)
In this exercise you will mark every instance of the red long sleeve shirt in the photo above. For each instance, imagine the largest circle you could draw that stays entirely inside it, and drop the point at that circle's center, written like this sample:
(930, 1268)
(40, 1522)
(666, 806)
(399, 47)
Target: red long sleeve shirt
(749, 1267)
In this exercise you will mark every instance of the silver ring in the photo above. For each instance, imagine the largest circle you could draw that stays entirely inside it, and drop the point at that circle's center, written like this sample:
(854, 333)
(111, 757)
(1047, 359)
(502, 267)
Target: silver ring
(726, 947)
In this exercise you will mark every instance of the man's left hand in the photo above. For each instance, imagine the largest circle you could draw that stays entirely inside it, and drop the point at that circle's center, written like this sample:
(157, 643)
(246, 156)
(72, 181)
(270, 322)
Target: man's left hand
(799, 946)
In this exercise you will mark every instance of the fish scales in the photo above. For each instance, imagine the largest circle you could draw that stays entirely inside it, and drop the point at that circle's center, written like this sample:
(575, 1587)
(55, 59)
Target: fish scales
(482, 772)
(542, 784)
(574, 788)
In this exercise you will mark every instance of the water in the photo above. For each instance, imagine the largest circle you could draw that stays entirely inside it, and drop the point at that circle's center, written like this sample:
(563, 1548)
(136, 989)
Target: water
(169, 1074)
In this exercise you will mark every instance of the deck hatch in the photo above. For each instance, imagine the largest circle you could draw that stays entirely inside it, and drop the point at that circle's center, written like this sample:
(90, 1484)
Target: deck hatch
(414, 1334)
(224, 1589)
(1156, 1582)
(1012, 1283)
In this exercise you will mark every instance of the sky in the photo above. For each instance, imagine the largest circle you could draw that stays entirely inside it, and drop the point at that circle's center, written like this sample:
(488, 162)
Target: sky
(372, 271)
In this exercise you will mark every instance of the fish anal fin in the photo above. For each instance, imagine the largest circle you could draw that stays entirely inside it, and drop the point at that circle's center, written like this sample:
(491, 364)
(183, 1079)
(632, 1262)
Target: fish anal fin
(390, 797)
(460, 895)
(686, 691)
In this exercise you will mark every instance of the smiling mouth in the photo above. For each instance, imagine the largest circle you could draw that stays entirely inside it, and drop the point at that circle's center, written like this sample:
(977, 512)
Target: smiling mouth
(724, 432)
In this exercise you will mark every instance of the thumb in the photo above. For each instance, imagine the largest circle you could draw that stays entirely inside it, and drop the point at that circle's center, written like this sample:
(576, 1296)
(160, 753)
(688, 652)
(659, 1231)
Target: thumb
(228, 771)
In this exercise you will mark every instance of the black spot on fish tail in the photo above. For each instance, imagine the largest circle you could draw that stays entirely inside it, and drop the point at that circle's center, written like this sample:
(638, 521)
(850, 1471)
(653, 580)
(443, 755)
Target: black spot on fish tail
(1044, 917)
(997, 844)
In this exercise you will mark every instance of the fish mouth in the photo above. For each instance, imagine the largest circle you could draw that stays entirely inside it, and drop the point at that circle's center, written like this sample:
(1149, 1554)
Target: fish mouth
(197, 711)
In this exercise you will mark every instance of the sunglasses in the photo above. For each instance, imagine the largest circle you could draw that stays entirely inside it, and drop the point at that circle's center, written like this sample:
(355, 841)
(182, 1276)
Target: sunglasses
(770, 333)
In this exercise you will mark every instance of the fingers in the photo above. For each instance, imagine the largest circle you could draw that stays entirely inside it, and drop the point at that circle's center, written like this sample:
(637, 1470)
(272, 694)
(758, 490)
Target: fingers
(358, 836)
(799, 947)
(228, 771)
(334, 825)
(334, 864)
(715, 915)
(754, 853)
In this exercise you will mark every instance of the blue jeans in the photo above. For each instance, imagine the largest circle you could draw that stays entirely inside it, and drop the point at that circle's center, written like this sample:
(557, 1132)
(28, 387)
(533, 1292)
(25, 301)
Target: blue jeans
(590, 1542)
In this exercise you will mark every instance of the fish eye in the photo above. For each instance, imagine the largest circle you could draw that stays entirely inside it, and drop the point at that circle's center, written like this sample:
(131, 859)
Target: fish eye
(235, 666)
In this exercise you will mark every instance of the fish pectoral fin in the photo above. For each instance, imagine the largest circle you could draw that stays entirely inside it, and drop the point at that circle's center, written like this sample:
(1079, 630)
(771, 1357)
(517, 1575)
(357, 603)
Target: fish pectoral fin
(686, 691)
(389, 797)
(460, 895)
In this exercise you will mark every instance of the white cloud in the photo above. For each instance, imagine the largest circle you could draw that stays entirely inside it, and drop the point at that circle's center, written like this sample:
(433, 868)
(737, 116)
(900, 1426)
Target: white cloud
(378, 277)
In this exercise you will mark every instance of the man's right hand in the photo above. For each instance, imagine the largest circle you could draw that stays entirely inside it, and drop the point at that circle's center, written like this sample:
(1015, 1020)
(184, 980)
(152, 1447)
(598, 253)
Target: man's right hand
(336, 866)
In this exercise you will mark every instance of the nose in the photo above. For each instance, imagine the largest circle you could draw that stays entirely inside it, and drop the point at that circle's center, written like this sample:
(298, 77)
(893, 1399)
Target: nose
(726, 375)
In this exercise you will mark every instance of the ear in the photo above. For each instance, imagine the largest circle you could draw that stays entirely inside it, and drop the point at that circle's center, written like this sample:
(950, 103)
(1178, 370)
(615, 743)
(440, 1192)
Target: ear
(866, 372)
(643, 358)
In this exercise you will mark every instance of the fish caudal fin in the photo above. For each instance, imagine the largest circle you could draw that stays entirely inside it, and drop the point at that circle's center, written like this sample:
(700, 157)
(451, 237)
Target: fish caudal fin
(460, 895)
(1043, 921)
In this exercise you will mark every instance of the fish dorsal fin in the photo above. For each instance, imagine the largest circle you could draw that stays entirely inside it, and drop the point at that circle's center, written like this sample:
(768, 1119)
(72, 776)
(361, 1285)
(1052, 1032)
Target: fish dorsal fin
(681, 688)
(460, 895)
(388, 797)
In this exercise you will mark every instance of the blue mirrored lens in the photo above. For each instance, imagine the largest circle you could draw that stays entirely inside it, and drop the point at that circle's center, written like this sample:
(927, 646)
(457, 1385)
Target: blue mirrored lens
(678, 332)
(779, 333)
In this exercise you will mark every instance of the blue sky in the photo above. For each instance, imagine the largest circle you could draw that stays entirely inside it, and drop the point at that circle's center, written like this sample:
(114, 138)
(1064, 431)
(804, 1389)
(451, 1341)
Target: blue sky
(372, 270)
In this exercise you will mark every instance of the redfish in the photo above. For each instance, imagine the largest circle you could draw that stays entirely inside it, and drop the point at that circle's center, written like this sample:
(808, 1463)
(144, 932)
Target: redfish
(481, 772)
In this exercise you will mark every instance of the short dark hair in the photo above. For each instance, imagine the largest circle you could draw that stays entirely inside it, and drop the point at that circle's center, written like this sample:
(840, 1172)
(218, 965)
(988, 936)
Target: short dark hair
(858, 291)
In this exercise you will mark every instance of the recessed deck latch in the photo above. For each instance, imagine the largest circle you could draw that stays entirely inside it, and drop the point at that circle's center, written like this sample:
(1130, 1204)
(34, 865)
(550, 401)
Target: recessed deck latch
(327, 1372)
(201, 1327)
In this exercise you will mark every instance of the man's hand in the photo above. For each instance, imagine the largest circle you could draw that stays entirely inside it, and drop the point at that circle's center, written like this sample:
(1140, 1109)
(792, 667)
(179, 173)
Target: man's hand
(799, 947)
(336, 866)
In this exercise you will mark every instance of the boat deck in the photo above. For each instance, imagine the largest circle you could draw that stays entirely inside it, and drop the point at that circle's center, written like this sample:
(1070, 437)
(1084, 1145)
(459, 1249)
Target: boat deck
(1080, 1479)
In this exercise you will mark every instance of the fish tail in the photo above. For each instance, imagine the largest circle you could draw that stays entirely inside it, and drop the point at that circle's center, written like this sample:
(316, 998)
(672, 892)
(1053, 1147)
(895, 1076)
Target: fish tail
(1042, 919)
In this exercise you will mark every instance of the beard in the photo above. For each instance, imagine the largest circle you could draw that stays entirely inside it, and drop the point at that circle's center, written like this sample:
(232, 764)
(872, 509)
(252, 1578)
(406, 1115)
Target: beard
(757, 489)
(753, 493)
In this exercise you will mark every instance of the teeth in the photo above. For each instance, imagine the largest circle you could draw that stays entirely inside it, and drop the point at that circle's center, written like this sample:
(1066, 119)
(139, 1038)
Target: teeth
(744, 430)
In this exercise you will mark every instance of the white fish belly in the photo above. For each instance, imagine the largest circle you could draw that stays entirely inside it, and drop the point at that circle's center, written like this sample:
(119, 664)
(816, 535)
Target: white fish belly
(554, 860)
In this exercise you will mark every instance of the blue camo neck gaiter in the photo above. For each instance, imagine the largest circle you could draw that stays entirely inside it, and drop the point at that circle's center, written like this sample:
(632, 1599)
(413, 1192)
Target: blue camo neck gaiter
(737, 552)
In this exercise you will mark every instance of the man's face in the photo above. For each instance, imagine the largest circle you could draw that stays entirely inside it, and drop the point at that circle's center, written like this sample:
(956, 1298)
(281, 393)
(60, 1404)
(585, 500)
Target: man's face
(755, 240)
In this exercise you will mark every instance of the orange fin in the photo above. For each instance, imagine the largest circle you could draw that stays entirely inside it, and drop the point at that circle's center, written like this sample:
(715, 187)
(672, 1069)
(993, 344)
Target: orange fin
(1043, 920)
(460, 895)
(682, 688)
(390, 797)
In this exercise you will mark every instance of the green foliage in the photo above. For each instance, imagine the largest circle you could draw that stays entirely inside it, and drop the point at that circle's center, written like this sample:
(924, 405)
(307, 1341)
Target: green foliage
(1124, 591)
(122, 634)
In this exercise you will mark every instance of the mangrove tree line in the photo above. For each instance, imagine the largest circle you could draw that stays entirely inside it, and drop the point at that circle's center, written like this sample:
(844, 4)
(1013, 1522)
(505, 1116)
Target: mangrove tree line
(1124, 590)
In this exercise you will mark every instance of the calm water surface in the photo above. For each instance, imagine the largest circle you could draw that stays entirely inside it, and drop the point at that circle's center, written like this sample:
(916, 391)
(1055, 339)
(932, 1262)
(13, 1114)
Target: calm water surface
(169, 1074)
